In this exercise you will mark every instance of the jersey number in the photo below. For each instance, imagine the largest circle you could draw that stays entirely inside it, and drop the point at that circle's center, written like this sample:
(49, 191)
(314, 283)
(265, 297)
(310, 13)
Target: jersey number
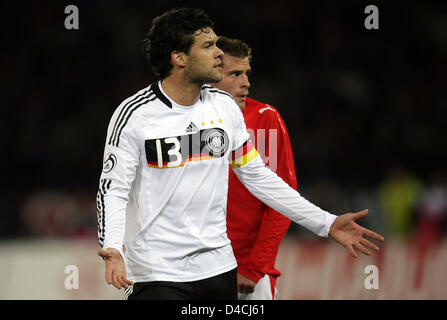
(173, 151)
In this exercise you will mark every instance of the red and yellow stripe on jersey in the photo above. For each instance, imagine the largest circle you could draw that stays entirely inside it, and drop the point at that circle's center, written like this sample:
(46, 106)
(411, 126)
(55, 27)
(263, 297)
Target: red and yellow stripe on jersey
(194, 157)
(243, 155)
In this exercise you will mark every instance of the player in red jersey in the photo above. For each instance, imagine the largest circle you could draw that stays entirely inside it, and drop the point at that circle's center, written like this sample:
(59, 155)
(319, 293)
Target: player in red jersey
(255, 230)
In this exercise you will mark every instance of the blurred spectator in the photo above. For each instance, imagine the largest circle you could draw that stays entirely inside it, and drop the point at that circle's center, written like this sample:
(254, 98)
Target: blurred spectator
(343, 90)
(399, 195)
(432, 213)
(7, 219)
(57, 214)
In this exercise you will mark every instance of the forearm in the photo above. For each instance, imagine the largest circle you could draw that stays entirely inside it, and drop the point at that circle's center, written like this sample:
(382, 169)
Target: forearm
(274, 192)
(272, 230)
(111, 217)
(115, 221)
(263, 254)
(113, 197)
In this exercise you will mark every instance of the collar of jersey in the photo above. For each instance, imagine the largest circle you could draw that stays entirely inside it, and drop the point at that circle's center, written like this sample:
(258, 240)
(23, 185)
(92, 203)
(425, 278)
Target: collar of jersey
(172, 104)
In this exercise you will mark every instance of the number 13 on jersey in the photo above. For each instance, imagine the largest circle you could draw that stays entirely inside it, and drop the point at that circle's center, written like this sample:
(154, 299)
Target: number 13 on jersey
(171, 152)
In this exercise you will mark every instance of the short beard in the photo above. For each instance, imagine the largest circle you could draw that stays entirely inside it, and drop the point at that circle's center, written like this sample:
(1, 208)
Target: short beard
(209, 77)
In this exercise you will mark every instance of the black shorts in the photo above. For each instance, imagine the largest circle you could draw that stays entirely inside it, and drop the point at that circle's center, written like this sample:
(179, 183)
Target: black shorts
(220, 287)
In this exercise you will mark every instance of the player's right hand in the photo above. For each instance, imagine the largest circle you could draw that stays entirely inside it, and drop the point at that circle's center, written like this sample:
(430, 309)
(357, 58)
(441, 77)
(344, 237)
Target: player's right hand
(115, 268)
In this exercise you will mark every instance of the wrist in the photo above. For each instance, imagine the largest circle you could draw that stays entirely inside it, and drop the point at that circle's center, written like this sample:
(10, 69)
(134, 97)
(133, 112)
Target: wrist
(250, 273)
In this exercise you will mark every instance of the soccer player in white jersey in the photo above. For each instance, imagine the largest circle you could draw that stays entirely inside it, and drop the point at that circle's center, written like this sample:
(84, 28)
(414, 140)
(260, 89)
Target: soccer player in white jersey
(163, 189)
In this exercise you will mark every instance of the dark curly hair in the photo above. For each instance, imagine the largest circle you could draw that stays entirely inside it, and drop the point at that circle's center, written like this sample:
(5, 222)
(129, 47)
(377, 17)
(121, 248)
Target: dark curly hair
(234, 47)
(173, 30)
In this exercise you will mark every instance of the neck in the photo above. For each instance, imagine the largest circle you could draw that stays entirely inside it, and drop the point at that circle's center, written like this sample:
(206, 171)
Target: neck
(183, 92)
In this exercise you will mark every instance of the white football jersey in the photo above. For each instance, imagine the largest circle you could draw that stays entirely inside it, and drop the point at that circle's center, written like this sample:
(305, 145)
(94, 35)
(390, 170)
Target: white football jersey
(163, 189)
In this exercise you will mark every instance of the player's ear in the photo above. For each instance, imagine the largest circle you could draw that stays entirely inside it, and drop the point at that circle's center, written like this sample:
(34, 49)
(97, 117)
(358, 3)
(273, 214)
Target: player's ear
(178, 58)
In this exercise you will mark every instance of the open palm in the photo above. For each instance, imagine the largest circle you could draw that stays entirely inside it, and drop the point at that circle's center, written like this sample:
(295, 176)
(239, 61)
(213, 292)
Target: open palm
(348, 233)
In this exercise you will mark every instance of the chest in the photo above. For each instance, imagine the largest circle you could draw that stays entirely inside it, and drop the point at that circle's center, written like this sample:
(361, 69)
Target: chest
(174, 139)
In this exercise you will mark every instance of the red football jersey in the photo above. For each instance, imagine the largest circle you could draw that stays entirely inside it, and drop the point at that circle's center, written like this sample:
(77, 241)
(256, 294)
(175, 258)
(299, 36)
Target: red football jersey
(256, 230)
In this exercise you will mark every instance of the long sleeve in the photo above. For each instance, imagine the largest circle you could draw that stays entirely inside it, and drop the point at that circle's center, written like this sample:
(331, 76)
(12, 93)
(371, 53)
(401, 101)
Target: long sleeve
(265, 185)
(274, 192)
(121, 159)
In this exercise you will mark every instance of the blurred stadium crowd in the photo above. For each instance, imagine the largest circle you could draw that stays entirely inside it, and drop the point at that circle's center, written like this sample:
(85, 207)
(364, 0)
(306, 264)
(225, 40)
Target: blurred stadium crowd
(366, 110)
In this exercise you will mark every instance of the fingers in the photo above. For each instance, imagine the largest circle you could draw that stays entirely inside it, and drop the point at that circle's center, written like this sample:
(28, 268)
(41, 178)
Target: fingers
(362, 249)
(115, 274)
(352, 251)
(361, 214)
(245, 285)
(109, 272)
(120, 281)
(367, 232)
(116, 282)
(124, 282)
(369, 244)
(127, 281)
(246, 289)
(361, 246)
(373, 235)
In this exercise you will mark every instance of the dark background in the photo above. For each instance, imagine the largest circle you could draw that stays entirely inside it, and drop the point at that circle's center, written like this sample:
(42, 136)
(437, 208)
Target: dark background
(360, 105)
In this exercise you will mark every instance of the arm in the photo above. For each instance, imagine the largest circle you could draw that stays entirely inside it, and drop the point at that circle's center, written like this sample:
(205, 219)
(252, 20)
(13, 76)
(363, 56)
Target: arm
(268, 187)
(120, 164)
(274, 192)
(273, 228)
(273, 224)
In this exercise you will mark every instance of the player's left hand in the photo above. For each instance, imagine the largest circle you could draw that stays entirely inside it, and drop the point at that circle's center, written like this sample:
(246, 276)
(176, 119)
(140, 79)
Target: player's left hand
(348, 233)
(115, 268)
(245, 285)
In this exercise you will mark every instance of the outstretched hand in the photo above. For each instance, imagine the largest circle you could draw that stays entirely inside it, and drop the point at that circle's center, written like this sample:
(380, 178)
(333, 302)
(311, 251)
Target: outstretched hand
(115, 268)
(348, 233)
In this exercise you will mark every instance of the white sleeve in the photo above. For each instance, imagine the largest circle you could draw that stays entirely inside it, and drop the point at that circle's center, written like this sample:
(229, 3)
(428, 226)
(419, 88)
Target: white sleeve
(121, 159)
(274, 192)
(240, 135)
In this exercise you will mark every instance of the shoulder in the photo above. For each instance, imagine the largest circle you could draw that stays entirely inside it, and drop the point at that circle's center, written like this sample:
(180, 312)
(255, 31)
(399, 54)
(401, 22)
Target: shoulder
(221, 99)
(267, 115)
(136, 100)
(209, 92)
(139, 97)
(264, 109)
(124, 116)
(149, 95)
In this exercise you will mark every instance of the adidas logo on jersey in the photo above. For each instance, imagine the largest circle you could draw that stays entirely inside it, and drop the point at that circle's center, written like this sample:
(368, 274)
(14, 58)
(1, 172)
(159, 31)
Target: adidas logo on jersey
(191, 128)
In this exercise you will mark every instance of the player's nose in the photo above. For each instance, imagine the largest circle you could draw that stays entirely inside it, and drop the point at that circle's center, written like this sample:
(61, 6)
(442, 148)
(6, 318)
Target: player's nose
(245, 82)
(218, 53)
